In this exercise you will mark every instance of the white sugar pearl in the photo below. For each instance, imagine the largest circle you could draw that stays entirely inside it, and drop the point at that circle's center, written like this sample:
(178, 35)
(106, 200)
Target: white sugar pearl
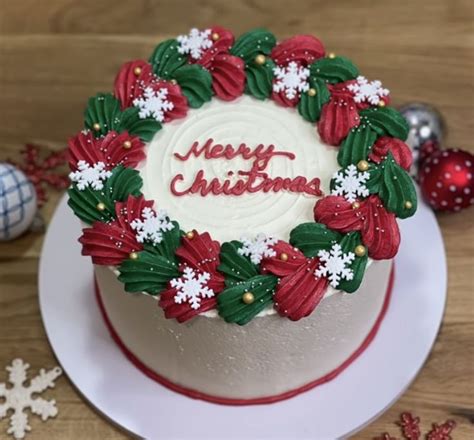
(447, 175)
(467, 190)
(444, 203)
(452, 188)
(458, 200)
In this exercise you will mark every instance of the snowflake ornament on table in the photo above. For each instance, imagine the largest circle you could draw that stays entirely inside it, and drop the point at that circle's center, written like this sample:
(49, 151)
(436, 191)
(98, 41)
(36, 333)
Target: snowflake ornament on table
(195, 43)
(334, 265)
(192, 287)
(259, 247)
(291, 79)
(350, 183)
(367, 91)
(151, 226)
(87, 175)
(20, 397)
(154, 104)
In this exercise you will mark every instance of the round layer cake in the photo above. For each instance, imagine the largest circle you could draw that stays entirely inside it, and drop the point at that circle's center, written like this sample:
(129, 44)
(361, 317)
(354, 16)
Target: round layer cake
(239, 200)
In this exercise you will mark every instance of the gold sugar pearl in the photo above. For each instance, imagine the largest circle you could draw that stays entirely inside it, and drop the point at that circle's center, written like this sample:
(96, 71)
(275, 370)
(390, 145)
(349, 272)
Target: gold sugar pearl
(96, 126)
(137, 71)
(331, 55)
(360, 250)
(215, 36)
(260, 59)
(356, 205)
(133, 256)
(283, 256)
(312, 92)
(101, 206)
(127, 145)
(408, 204)
(363, 165)
(190, 235)
(174, 82)
(248, 298)
(381, 103)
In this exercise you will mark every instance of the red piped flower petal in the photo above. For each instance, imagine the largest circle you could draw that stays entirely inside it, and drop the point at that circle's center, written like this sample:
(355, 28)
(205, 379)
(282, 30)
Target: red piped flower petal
(84, 146)
(175, 95)
(281, 99)
(298, 294)
(337, 213)
(304, 49)
(287, 260)
(108, 243)
(228, 76)
(130, 81)
(222, 45)
(184, 312)
(380, 231)
(400, 151)
(130, 210)
(122, 149)
(200, 252)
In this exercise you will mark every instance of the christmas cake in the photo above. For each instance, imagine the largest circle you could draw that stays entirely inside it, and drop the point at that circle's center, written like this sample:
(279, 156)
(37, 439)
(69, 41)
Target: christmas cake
(239, 199)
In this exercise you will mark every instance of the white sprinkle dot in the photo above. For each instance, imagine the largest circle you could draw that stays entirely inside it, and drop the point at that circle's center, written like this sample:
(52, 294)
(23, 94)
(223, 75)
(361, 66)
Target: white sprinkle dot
(447, 175)
(452, 188)
(434, 194)
(458, 200)
(439, 185)
(467, 190)
(444, 203)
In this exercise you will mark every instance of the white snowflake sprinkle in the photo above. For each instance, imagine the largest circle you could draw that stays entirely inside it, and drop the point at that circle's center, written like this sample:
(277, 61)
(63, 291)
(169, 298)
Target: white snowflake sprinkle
(153, 103)
(20, 397)
(195, 42)
(192, 288)
(333, 265)
(86, 175)
(151, 226)
(259, 247)
(292, 79)
(350, 183)
(367, 91)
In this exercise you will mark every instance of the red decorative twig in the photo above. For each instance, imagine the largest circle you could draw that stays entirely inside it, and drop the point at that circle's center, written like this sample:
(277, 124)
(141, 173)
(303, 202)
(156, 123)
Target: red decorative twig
(42, 173)
(441, 432)
(410, 426)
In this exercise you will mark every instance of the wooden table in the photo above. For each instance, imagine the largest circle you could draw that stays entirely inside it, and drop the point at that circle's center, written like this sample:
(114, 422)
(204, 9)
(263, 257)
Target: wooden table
(54, 54)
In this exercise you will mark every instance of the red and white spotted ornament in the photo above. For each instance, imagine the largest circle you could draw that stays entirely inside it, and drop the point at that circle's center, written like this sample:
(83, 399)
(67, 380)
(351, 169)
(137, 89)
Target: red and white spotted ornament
(447, 179)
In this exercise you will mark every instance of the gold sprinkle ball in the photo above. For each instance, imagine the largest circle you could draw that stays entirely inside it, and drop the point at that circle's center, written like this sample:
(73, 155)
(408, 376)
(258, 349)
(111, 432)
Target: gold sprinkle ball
(331, 55)
(190, 235)
(381, 103)
(96, 126)
(360, 250)
(127, 145)
(283, 256)
(215, 36)
(312, 92)
(260, 59)
(363, 165)
(137, 71)
(356, 205)
(174, 82)
(101, 206)
(248, 298)
(133, 256)
(408, 204)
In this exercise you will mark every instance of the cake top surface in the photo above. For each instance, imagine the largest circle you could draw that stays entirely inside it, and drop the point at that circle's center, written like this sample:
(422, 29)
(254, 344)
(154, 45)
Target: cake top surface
(239, 174)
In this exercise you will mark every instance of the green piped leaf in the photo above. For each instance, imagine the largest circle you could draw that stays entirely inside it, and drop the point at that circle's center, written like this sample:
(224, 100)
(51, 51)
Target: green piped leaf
(375, 182)
(144, 128)
(397, 191)
(348, 244)
(195, 83)
(117, 188)
(253, 43)
(259, 79)
(232, 307)
(385, 121)
(236, 268)
(104, 110)
(334, 70)
(166, 59)
(356, 146)
(168, 245)
(310, 238)
(310, 106)
(149, 273)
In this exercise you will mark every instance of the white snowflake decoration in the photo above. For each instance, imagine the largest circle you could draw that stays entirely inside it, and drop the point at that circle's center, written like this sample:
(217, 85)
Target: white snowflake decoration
(333, 265)
(154, 104)
(259, 247)
(192, 287)
(20, 397)
(350, 183)
(292, 79)
(195, 42)
(87, 175)
(367, 91)
(151, 226)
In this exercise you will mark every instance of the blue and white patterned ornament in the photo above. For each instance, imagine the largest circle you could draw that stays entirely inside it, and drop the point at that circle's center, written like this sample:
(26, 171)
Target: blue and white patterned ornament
(18, 204)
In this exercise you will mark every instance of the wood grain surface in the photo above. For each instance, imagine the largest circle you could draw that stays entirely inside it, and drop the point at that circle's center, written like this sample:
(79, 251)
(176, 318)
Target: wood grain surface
(54, 54)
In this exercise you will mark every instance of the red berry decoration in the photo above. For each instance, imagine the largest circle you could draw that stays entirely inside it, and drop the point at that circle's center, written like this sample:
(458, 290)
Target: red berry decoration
(447, 179)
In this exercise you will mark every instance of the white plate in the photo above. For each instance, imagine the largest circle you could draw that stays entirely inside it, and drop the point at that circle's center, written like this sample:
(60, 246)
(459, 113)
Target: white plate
(127, 397)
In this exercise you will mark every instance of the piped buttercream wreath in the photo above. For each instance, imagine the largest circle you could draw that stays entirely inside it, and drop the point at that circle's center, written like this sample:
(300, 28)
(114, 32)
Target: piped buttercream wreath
(189, 272)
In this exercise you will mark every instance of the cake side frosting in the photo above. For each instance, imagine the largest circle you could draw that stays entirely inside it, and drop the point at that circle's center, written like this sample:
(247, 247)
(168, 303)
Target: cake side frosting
(134, 157)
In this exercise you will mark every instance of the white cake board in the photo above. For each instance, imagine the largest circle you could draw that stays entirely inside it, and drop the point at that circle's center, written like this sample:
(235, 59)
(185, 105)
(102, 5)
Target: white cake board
(127, 397)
